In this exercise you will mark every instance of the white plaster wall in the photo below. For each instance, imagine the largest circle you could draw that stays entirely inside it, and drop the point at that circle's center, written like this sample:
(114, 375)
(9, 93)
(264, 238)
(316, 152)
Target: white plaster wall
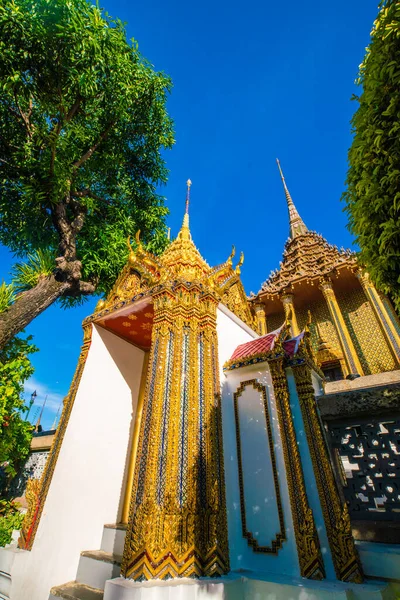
(88, 483)
(260, 495)
(309, 477)
(231, 333)
(242, 555)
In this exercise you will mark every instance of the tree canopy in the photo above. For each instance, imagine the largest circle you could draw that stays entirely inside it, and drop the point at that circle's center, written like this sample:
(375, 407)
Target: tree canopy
(83, 122)
(15, 432)
(373, 181)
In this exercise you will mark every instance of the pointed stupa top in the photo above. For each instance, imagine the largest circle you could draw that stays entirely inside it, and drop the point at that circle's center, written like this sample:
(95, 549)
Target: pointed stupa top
(182, 257)
(296, 224)
(185, 231)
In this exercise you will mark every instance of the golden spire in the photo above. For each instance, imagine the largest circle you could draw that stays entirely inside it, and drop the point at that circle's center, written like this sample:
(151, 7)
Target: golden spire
(185, 225)
(182, 256)
(296, 224)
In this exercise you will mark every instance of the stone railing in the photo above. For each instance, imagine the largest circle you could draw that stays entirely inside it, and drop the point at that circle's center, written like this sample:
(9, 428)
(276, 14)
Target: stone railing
(363, 432)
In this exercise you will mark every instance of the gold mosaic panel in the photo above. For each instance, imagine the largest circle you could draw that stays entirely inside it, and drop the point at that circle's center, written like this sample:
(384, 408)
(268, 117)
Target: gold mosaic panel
(391, 312)
(368, 339)
(275, 321)
(320, 314)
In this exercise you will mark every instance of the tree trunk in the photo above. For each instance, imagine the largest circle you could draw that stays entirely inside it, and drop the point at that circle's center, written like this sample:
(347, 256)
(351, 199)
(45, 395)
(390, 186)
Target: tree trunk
(29, 305)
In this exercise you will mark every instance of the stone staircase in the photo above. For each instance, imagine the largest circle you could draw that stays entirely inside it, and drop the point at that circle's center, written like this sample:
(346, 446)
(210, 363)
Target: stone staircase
(95, 568)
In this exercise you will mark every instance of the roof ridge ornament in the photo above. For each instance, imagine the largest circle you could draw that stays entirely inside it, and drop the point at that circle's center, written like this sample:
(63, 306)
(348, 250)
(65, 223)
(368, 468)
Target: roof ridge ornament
(184, 233)
(296, 223)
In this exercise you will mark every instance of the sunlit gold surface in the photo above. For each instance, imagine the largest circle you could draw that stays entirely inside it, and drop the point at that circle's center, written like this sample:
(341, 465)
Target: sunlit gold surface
(336, 516)
(135, 440)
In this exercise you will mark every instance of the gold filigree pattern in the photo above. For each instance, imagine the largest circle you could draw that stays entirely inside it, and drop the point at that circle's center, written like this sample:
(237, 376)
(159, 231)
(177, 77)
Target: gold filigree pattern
(32, 518)
(308, 548)
(170, 467)
(307, 257)
(336, 516)
(363, 325)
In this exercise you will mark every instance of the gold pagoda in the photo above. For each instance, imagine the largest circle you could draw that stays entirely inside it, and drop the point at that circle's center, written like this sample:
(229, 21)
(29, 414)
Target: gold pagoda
(354, 330)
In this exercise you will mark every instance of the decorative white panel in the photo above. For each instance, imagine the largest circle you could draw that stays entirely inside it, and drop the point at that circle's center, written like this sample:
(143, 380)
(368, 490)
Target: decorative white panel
(261, 506)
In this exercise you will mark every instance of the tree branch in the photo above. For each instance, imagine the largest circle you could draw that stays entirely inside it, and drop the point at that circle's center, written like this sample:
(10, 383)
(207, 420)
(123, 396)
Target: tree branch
(91, 150)
(87, 192)
(25, 116)
(60, 124)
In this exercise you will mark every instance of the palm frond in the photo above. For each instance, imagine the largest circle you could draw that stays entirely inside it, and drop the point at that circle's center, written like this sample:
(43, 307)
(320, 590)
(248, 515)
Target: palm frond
(7, 295)
(27, 274)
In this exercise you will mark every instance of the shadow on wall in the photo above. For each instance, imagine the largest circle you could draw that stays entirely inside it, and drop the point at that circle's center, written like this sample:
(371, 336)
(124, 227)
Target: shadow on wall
(123, 362)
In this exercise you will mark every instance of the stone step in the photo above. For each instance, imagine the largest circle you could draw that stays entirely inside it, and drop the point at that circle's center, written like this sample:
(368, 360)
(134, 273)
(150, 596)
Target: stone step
(113, 539)
(96, 566)
(75, 591)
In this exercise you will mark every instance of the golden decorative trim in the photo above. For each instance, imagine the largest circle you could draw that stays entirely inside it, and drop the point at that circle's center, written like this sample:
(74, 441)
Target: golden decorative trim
(259, 309)
(308, 547)
(336, 516)
(135, 440)
(179, 480)
(384, 319)
(276, 544)
(353, 364)
(32, 518)
(307, 258)
(287, 299)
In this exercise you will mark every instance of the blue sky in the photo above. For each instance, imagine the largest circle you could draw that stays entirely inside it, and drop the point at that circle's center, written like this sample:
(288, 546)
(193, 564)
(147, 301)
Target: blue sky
(252, 81)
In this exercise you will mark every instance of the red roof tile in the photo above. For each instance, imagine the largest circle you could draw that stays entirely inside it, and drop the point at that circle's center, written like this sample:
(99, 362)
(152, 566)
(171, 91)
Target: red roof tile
(261, 344)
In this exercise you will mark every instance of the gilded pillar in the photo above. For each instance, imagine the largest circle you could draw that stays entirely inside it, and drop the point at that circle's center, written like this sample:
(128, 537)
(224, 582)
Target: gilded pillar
(307, 541)
(261, 318)
(353, 365)
(135, 440)
(177, 524)
(290, 314)
(336, 516)
(385, 319)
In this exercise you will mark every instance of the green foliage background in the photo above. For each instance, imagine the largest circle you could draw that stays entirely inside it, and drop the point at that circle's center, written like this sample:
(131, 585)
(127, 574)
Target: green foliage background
(373, 182)
(83, 121)
(10, 518)
(15, 433)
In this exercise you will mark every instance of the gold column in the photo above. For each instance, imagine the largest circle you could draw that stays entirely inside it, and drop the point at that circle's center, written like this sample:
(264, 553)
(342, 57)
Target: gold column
(177, 520)
(261, 318)
(308, 548)
(135, 439)
(384, 318)
(336, 516)
(353, 365)
(287, 300)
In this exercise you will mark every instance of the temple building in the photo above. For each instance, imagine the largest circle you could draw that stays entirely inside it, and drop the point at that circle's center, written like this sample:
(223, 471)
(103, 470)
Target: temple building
(354, 329)
(225, 457)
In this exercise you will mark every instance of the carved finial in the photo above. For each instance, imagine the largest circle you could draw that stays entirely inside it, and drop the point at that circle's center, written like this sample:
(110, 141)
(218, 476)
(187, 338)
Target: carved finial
(240, 263)
(132, 255)
(297, 227)
(232, 254)
(184, 232)
(188, 183)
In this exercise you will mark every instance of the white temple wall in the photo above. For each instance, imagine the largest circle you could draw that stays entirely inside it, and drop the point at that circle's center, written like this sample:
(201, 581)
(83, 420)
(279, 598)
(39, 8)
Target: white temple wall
(231, 332)
(260, 499)
(89, 479)
(309, 477)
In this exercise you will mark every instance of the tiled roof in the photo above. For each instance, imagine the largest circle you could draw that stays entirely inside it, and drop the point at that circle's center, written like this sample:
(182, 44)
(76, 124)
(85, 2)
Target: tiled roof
(257, 346)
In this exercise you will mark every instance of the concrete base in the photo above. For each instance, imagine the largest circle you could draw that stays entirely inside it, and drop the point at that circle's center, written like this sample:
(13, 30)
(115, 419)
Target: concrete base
(9, 555)
(236, 587)
(380, 560)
